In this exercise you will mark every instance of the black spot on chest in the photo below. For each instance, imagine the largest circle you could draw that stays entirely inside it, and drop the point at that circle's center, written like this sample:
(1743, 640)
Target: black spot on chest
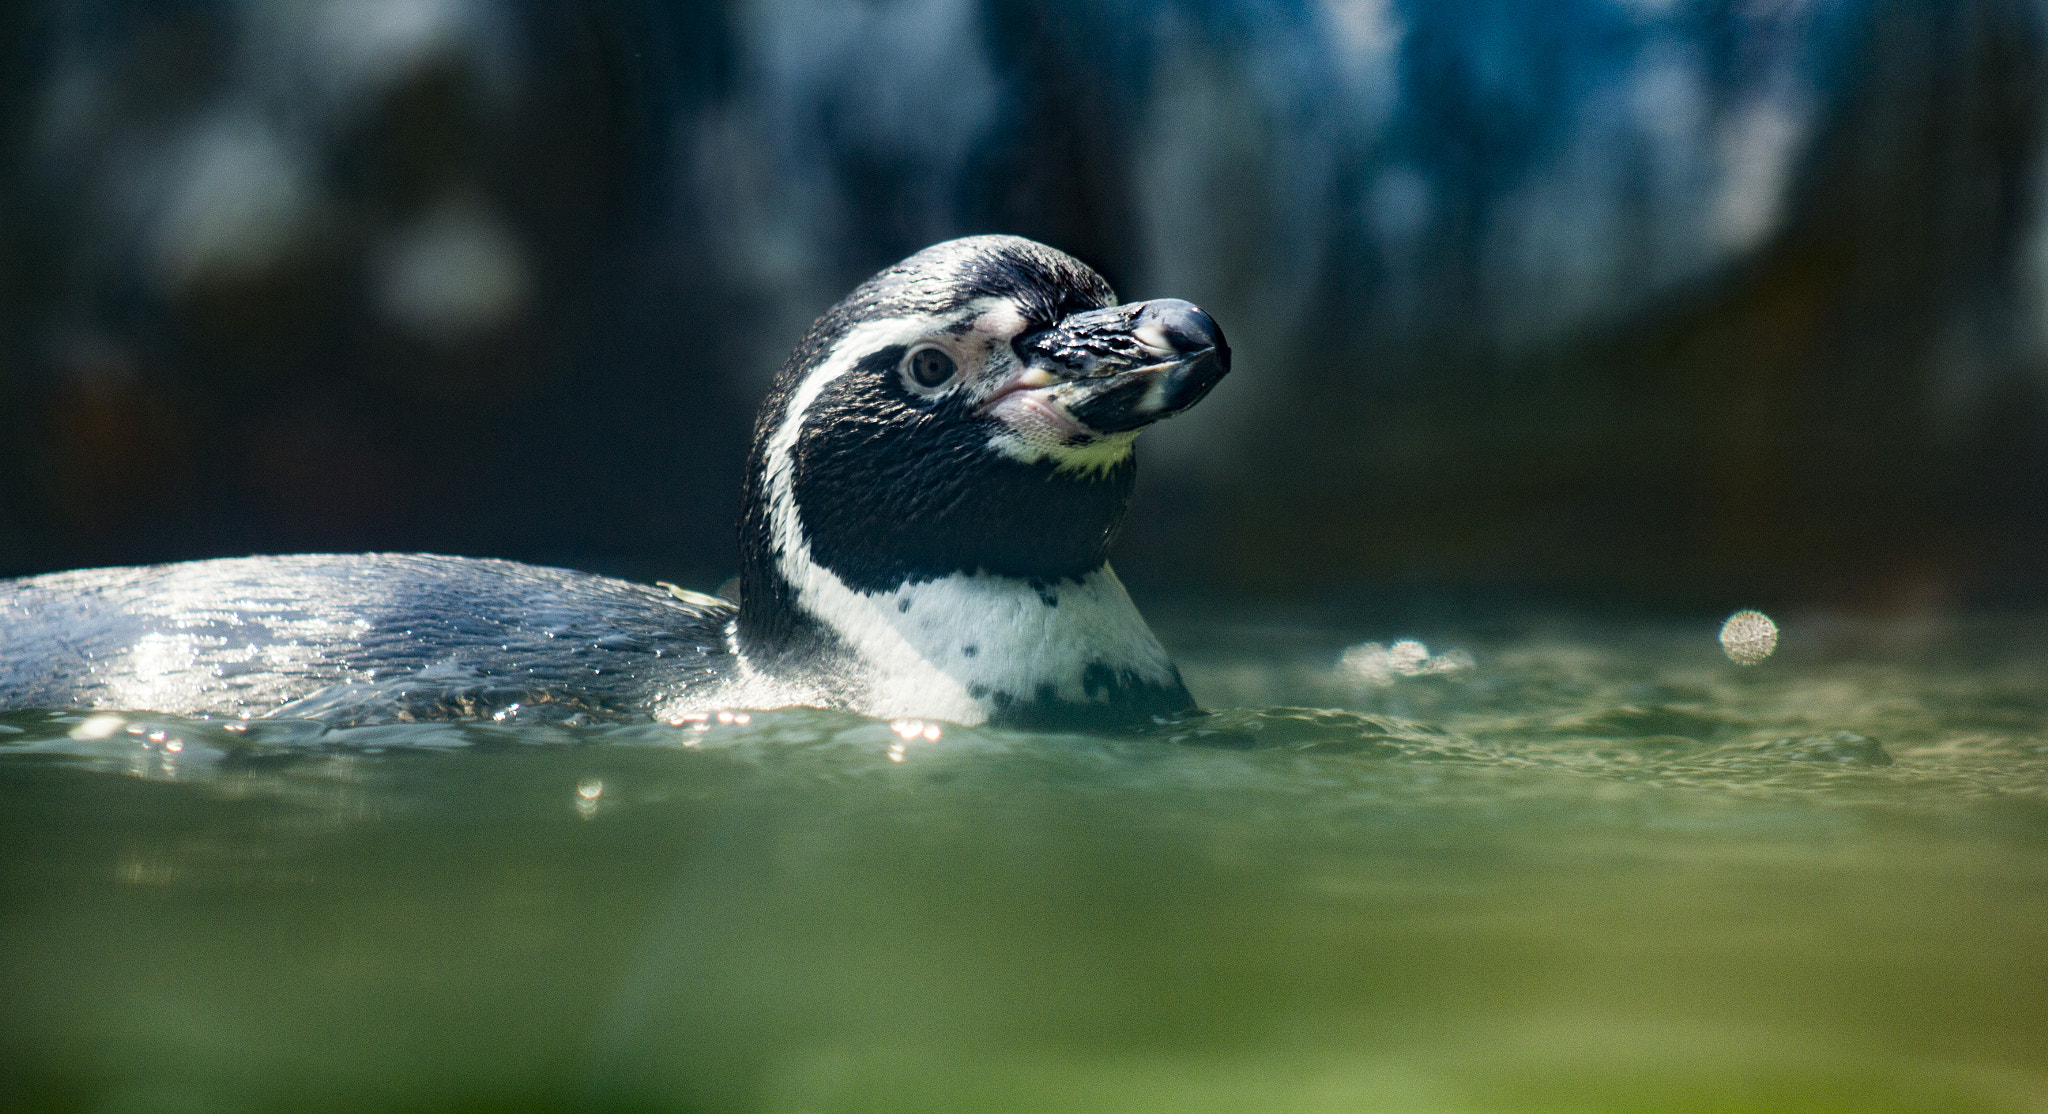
(894, 490)
(1115, 697)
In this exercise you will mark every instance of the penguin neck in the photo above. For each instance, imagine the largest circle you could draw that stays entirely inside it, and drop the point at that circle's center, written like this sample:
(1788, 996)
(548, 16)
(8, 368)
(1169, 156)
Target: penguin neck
(967, 647)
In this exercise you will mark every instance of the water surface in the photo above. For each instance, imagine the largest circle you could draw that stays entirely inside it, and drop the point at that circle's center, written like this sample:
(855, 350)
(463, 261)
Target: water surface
(1584, 865)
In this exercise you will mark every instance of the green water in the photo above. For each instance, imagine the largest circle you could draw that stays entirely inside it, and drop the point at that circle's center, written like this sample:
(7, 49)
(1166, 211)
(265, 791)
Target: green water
(1602, 867)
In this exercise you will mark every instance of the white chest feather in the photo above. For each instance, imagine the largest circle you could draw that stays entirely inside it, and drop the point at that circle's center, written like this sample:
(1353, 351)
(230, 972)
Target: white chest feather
(954, 648)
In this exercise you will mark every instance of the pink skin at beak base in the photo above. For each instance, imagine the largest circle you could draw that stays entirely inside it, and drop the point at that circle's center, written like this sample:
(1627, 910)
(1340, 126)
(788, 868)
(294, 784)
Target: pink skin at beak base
(1024, 404)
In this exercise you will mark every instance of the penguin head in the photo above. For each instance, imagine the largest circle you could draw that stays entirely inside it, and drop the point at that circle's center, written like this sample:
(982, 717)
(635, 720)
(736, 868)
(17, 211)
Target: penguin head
(965, 417)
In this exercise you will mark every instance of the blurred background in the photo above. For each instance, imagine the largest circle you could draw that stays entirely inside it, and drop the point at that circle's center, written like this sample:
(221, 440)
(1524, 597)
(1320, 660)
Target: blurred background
(1653, 303)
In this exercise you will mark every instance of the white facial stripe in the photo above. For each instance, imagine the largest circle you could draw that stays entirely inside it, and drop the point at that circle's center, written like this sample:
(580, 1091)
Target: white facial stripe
(998, 320)
(903, 682)
(915, 659)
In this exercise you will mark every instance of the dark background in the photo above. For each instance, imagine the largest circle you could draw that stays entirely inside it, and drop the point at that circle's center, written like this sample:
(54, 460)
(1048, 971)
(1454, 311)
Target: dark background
(1656, 302)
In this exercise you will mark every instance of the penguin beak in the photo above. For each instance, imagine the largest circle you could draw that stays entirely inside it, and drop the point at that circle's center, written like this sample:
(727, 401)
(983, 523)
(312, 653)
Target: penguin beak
(1123, 367)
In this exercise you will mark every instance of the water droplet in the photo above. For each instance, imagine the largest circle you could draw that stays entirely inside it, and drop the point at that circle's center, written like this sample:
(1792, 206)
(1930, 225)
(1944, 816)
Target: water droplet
(1380, 665)
(1749, 637)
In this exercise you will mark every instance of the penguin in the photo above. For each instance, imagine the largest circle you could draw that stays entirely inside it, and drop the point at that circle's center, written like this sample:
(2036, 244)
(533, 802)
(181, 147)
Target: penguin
(934, 483)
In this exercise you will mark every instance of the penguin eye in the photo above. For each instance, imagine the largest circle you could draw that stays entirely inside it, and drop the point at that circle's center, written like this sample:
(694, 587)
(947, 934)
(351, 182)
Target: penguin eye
(931, 367)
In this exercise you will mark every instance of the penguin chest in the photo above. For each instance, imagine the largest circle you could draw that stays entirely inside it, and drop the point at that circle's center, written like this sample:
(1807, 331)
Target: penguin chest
(979, 648)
